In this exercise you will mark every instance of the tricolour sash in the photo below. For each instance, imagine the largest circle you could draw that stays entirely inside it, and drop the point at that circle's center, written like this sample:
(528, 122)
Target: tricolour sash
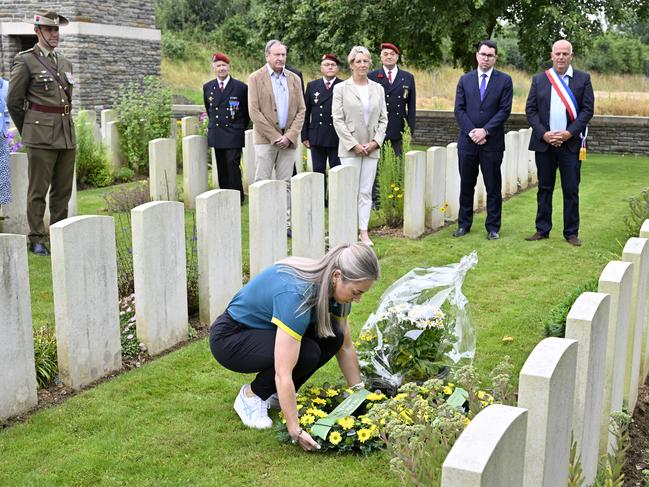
(570, 102)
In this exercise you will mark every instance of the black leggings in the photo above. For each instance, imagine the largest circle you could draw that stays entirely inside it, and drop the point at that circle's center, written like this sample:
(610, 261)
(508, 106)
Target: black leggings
(242, 349)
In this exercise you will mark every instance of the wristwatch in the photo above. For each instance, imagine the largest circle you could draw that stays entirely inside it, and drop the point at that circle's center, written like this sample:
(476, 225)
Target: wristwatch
(297, 437)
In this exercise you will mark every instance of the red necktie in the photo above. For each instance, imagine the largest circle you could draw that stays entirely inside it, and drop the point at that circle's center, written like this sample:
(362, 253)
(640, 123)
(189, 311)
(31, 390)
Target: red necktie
(222, 87)
(328, 85)
(390, 77)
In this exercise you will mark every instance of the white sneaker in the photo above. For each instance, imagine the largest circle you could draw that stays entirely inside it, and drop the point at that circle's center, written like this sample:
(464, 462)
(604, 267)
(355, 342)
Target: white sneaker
(273, 402)
(252, 410)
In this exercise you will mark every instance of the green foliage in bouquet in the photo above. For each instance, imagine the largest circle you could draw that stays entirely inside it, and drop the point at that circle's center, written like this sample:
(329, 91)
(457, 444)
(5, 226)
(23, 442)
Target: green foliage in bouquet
(411, 345)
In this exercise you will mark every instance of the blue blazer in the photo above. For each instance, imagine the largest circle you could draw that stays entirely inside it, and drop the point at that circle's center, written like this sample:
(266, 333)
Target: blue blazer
(318, 126)
(537, 109)
(491, 113)
(227, 112)
(400, 100)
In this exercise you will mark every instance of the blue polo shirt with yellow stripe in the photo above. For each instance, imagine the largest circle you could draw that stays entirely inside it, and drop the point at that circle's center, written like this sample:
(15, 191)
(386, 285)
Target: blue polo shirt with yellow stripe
(273, 299)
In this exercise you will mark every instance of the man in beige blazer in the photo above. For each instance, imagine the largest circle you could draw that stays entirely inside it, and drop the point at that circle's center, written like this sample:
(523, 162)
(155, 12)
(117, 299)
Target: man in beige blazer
(276, 106)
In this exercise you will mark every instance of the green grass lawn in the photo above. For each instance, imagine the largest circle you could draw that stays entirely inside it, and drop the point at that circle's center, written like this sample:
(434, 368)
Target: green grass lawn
(171, 422)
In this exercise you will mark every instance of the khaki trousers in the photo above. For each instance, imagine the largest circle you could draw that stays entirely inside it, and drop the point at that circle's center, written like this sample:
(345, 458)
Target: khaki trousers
(48, 167)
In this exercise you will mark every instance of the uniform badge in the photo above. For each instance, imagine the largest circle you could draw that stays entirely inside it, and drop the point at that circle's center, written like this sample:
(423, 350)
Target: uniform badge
(69, 77)
(234, 106)
(315, 97)
(405, 92)
(210, 98)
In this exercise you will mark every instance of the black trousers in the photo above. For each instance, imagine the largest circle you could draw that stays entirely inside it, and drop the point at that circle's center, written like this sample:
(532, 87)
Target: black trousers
(489, 163)
(569, 167)
(228, 166)
(319, 156)
(397, 146)
(241, 349)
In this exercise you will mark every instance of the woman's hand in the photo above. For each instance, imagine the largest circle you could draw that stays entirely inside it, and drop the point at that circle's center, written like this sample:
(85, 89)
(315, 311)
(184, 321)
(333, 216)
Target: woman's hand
(304, 439)
(360, 150)
(371, 146)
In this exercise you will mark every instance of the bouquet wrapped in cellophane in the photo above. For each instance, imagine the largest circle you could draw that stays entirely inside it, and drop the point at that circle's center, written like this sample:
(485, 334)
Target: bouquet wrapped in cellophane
(421, 326)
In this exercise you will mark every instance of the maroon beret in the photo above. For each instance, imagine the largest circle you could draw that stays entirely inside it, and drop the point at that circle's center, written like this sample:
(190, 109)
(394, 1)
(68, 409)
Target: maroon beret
(219, 56)
(387, 45)
(331, 57)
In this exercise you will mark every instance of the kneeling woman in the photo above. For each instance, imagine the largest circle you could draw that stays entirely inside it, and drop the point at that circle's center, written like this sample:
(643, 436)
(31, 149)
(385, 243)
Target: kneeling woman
(286, 323)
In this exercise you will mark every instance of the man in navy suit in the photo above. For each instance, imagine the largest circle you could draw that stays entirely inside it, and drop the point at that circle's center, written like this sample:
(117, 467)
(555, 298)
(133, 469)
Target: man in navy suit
(483, 102)
(558, 124)
(318, 133)
(226, 104)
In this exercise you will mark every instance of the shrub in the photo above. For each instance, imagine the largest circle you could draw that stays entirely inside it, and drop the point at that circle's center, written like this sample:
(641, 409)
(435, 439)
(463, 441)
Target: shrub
(125, 198)
(555, 323)
(123, 175)
(390, 174)
(45, 356)
(174, 46)
(93, 166)
(143, 111)
(616, 53)
(639, 212)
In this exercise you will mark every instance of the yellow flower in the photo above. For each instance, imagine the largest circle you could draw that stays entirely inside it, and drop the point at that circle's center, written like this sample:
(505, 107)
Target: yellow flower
(319, 400)
(466, 422)
(480, 394)
(307, 419)
(365, 420)
(448, 389)
(315, 391)
(319, 413)
(364, 435)
(390, 196)
(396, 188)
(400, 397)
(406, 417)
(399, 196)
(392, 185)
(375, 397)
(300, 406)
(346, 423)
(335, 438)
(331, 392)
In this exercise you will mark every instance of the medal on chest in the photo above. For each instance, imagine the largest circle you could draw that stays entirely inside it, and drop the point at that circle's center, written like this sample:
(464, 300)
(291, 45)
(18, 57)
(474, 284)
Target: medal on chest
(315, 97)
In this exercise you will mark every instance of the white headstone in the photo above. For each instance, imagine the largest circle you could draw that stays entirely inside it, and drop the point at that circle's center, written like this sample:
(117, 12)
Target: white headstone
(91, 117)
(162, 170)
(343, 205)
(435, 187)
(189, 126)
(414, 209)
(636, 251)
(194, 168)
(17, 373)
(510, 181)
(160, 274)
(644, 233)
(546, 389)
(490, 452)
(587, 322)
(112, 143)
(644, 230)
(307, 215)
(248, 166)
(108, 115)
(16, 211)
(309, 161)
(267, 220)
(218, 228)
(531, 159)
(84, 281)
(173, 128)
(452, 183)
(522, 159)
(616, 280)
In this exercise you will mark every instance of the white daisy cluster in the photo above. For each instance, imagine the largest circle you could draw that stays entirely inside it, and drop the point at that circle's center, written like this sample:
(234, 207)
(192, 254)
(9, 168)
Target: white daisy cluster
(422, 316)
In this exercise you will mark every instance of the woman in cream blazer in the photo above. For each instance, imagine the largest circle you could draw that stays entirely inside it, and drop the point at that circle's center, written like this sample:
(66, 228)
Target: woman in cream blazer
(360, 119)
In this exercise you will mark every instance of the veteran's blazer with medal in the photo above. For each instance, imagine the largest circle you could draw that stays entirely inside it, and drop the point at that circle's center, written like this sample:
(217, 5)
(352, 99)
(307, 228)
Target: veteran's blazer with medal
(227, 113)
(400, 100)
(39, 99)
(318, 126)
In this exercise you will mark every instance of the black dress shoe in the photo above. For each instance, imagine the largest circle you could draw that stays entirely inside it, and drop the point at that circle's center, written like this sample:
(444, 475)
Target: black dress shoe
(39, 249)
(289, 234)
(536, 236)
(460, 232)
(493, 236)
(574, 240)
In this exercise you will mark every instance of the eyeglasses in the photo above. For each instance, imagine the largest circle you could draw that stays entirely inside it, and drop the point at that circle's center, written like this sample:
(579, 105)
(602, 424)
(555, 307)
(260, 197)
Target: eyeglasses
(487, 56)
(328, 65)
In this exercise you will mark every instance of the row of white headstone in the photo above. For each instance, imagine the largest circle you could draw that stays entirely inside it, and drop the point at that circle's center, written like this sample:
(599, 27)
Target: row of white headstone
(567, 386)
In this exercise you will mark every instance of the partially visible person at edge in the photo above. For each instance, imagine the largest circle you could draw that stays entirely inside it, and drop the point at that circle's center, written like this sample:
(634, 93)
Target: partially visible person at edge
(226, 104)
(483, 102)
(400, 100)
(276, 107)
(318, 133)
(40, 104)
(5, 170)
(360, 119)
(559, 106)
(286, 323)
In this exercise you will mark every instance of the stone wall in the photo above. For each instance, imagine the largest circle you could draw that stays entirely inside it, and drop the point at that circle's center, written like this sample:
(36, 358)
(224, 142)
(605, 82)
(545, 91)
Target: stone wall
(607, 134)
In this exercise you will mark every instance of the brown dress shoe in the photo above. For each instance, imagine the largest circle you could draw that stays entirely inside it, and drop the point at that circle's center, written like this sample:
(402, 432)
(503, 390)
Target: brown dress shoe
(574, 240)
(536, 236)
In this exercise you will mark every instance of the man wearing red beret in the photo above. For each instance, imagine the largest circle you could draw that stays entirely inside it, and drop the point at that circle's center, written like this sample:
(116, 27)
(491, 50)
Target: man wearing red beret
(318, 133)
(226, 104)
(400, 98)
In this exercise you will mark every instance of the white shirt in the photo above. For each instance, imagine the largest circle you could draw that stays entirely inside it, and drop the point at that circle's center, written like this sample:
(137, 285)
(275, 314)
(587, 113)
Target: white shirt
(364, 92)
(488, 73)
(393, 72)
(225, 82)
(558, 115)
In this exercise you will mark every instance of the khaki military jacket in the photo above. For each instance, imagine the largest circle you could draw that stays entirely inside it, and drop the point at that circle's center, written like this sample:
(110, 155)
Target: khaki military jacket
(31, 82)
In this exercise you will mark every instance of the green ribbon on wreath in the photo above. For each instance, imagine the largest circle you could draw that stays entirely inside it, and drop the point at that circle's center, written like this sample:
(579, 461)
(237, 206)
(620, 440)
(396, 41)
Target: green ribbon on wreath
(346, 408)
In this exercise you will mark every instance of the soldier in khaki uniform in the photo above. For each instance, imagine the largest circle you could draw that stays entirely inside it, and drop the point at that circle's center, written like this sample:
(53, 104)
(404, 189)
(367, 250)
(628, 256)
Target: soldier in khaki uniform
(40, 104)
